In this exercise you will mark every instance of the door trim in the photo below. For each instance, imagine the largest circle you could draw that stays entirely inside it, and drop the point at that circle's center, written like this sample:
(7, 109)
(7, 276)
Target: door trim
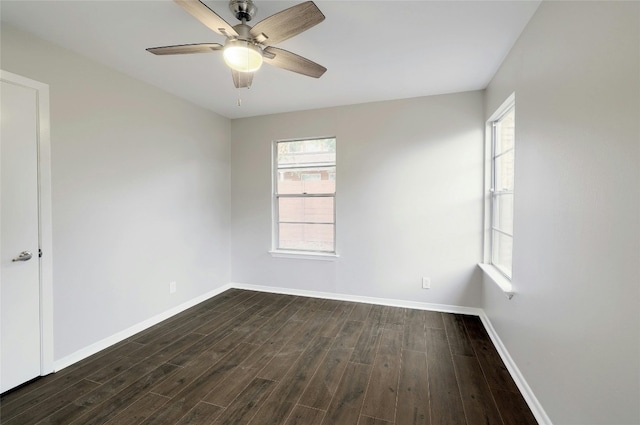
(44, 216)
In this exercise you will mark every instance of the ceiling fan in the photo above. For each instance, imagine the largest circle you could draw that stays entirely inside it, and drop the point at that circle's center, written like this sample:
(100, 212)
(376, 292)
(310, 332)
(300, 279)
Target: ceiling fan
(247, 47)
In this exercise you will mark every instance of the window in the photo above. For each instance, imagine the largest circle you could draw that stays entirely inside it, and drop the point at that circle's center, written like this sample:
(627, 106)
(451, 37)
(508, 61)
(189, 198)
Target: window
(304, 195)
(502, 130)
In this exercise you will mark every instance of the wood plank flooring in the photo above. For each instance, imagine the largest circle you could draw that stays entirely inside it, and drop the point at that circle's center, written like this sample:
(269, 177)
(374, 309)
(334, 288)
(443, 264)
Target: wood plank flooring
(256, 358)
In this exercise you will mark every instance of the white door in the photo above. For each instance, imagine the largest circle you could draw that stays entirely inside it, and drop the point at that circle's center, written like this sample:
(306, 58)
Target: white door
(19, 274)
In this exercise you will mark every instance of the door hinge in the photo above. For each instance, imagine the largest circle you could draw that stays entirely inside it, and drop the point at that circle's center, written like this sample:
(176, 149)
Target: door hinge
(39, 253)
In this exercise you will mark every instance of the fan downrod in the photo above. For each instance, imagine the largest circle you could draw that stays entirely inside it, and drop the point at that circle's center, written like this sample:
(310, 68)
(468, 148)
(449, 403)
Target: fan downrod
(243, 10)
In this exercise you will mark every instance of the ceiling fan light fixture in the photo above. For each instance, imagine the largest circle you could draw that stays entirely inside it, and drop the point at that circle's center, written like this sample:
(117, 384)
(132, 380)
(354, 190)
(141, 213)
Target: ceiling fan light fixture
(242, 56)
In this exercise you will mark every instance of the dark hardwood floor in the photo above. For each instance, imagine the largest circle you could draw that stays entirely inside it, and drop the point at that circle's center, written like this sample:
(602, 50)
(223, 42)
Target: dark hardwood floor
(257, 358)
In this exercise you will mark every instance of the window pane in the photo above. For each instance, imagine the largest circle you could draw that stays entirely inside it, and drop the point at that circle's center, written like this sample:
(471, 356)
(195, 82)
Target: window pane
(306, 152)
(504, 171)
(505, 132)
(306, 168)
(310, 237)
(502, 198)
(502, 252)
(503, 212)
(316, 210)
(307, 180)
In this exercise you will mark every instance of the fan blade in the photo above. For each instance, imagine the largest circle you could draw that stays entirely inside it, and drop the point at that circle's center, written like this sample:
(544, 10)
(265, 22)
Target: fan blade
(292, 62)
(185, 49)
(286, 24)
(242, 79)
(202, 13)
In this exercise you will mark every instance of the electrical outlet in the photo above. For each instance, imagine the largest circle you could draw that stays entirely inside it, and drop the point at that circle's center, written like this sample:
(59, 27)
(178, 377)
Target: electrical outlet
(172, 287)
(426, 283)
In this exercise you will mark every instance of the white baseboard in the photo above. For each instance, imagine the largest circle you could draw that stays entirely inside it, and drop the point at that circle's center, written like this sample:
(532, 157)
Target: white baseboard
(527, 393)
(126, 333)
(525, 389)
(445, 308)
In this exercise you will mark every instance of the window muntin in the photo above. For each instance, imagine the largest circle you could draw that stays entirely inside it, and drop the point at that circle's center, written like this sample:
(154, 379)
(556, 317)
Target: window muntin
(304, 195)
(502, 190)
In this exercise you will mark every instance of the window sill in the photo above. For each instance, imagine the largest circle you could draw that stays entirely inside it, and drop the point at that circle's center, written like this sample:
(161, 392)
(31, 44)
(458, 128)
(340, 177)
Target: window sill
(498, 278)
(322, 256)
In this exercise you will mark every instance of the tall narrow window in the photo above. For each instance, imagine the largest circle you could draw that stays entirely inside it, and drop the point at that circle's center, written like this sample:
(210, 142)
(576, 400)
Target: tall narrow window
(304, 195)
(502, 189)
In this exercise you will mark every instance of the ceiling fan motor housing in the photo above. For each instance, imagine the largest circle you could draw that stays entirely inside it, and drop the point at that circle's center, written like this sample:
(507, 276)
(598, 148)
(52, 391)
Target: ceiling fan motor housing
(243, 10)
(243, 35)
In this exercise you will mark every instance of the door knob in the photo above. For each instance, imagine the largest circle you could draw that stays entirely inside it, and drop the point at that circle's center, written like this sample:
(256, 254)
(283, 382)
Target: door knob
(24, 256)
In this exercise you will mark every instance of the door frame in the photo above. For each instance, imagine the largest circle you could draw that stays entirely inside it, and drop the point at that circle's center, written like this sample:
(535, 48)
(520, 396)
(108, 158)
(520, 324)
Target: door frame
(45, 238)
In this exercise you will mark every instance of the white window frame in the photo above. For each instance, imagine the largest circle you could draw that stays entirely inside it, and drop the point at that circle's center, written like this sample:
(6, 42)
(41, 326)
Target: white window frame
(501, 277)
(276, 251)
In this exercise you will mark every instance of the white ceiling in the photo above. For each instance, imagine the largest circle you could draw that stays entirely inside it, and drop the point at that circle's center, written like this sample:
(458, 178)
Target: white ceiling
(374, 50)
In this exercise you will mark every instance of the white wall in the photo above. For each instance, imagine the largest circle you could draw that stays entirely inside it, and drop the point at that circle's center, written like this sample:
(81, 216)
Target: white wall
(409, 199)
(140, 183)
(573, 327)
